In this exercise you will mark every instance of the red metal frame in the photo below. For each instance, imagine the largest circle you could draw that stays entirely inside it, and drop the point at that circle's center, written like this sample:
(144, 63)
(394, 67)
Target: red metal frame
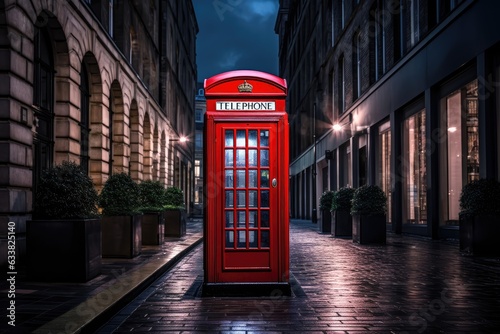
(226, 260)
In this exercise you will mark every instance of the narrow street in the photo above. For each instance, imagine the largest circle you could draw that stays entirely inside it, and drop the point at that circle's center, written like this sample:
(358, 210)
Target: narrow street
(410, 285)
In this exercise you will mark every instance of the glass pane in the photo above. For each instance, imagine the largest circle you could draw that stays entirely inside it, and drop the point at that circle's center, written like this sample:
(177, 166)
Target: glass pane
(264, 158)
(241, 219)
(229, 219)
(454, 126)
(241, 198)
(240, 180)
(229, 239)
(242, 239)
(252, 158)
(264, 218)
(252, 239)
(229, 178)
(264, 198)
(252, 218)
(264, 178)
(240, 138)
(264, 137)
(229, 158)
(240, 158)
(252, 198)
(252, 138)
(252, 178)
(229, 138)
(229, 199)
(264, 238)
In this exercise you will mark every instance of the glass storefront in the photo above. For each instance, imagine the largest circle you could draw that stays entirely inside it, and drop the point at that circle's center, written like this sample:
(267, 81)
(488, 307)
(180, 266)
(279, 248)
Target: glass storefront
(415, 170)
(384, 167)
(345, 170)
(461, 161)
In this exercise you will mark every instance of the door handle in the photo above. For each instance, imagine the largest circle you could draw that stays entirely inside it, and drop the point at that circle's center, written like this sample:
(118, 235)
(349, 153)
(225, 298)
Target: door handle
(274, 183)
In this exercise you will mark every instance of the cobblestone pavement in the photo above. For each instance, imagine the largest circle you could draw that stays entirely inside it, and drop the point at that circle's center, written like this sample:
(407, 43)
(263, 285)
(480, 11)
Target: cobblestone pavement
(409, 285)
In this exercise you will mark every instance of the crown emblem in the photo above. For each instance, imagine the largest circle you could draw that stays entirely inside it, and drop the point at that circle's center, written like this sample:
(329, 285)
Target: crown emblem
(245, 87)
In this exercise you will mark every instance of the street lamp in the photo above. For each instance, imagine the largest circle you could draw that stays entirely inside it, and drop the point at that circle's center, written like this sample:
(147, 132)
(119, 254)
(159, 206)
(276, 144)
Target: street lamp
(181, 139)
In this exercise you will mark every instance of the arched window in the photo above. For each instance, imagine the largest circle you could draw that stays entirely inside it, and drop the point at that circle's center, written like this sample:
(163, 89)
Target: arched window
(43, 92)
(84, 118)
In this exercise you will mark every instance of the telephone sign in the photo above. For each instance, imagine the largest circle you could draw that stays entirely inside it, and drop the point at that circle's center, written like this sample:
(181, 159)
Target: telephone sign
(246, 184)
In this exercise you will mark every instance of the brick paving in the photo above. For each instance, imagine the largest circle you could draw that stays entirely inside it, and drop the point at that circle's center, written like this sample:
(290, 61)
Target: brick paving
(409, 285)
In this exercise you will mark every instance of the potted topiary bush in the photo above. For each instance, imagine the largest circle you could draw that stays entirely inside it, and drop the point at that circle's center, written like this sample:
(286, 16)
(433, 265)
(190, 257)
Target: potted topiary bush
(153, 222)
(480, 218)
(341, 212)
(121, 221)
(64, 236)
(325, 203)
(369, 205)
(174, 212)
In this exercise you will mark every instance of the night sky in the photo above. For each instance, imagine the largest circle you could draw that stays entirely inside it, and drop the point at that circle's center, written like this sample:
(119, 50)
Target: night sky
(236, 35)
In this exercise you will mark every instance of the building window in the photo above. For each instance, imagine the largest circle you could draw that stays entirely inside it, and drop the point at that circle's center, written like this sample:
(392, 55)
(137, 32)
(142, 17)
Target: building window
(377, 40)
(198, 115)
(341, 85)
(397, 25)
(384, 165)
(415, 170)
(356, 60)
(460, 118)
(342, 13)
(84, 118)
(110, 18)
(414, 22)
(43, 89)
(345, 163)
(333, 21)
(197, 168)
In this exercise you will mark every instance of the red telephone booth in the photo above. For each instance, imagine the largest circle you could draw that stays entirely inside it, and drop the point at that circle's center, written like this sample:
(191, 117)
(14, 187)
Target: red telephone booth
(246, 184)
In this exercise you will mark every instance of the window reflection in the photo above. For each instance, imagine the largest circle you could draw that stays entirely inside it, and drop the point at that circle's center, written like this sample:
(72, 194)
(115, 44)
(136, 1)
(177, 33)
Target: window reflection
(240, 138)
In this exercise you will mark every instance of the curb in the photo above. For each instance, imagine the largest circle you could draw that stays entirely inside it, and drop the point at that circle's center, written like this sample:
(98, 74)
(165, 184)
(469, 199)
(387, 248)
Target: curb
(97, 309)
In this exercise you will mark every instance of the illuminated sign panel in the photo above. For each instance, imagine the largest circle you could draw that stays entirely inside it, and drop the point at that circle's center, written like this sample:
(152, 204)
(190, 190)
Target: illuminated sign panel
(245, 105)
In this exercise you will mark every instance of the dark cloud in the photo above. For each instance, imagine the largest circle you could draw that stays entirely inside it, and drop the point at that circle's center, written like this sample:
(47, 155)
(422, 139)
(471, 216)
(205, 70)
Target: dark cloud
(236, 34)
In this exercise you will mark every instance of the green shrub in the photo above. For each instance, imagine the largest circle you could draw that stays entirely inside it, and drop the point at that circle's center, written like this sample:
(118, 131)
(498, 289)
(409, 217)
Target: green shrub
(480, 197)
(65, 192)
(174, 198)
(342, 199)
(119, 196)
(369, 200)
(325, 201)
(151, 195)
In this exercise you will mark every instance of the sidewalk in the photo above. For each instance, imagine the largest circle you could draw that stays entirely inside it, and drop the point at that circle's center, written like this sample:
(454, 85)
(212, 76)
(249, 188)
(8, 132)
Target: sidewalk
(73, 307)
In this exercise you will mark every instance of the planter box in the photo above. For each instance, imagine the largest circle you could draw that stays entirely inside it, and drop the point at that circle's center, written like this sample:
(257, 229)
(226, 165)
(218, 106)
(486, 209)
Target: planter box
(479, 235)
(341, 224)
(369, 229)
(175, 222)
(64, 250)
(153, 228)
(326, 221)
(121, 236)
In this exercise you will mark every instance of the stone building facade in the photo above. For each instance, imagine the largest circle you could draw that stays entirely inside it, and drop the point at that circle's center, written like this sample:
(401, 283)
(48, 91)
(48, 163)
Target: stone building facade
(109, 84)
(412, 86)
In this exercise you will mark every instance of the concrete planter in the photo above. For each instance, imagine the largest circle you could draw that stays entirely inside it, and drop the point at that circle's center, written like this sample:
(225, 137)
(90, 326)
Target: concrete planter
(153, 228)
(479, 235)
(121, 236)
(326, 221)
(64, 250)
(341, 224)
(369, 229)
(175, 222)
